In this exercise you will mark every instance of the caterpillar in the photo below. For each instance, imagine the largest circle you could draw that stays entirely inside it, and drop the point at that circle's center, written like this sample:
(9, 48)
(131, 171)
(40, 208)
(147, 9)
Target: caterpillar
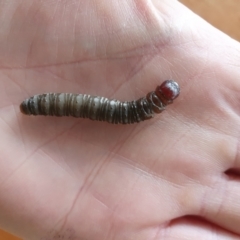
(100, 108)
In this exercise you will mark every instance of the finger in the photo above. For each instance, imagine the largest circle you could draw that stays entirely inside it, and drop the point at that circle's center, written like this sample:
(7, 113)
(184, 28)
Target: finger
(221, 205)
(189, 228)
(236, 161)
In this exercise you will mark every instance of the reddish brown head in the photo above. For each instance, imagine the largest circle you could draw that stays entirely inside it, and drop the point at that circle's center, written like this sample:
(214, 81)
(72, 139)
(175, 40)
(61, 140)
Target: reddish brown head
(168, 91)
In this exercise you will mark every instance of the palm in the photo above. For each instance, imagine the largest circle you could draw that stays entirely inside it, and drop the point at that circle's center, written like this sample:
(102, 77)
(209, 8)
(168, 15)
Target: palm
(91, 180)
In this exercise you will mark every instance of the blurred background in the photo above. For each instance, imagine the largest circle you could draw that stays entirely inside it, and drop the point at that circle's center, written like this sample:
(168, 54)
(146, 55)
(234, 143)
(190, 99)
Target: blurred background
(225, 15)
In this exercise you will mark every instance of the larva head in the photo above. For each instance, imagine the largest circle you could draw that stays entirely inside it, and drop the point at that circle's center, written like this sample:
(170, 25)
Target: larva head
(168, 90)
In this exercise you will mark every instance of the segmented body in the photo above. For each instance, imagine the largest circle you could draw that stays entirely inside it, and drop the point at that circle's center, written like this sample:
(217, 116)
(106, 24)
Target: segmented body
(100, 108)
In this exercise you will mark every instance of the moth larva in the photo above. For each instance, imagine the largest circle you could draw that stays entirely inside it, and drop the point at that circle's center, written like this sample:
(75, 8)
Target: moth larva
(100, 108)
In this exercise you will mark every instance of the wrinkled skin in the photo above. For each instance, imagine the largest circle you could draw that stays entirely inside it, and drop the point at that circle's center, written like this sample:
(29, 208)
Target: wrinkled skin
(173, 177)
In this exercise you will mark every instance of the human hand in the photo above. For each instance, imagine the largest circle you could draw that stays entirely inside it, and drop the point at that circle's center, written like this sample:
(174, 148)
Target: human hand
(173, 177)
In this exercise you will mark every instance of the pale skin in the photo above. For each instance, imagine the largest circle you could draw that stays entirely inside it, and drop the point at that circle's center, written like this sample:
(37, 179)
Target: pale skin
(173, 177)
